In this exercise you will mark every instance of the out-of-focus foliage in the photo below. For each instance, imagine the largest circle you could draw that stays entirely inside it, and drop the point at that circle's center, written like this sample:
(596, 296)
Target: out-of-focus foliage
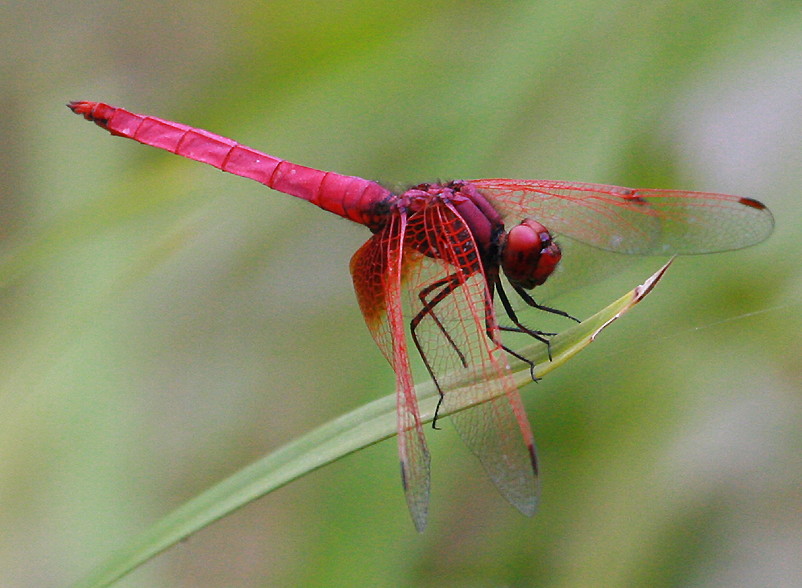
(163, 324)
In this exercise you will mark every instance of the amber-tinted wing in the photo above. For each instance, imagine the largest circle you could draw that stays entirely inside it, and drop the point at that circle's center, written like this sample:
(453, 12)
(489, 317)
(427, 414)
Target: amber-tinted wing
(455, 316)
(376, 270)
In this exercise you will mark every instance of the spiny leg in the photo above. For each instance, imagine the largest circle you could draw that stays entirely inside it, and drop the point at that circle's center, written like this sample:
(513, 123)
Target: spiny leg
(448, 284)
(531, 302)
(491, 324)
(519, 326)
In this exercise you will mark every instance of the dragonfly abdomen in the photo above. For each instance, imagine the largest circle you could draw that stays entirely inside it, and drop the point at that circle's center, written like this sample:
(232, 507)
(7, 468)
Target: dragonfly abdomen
(354, 198)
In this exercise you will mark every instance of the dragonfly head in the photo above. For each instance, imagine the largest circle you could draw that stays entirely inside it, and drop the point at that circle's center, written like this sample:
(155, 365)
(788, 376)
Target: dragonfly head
(528, 254)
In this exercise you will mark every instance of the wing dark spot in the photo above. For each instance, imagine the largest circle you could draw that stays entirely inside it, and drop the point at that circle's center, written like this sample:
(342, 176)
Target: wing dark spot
(533, 457)
(752, 203)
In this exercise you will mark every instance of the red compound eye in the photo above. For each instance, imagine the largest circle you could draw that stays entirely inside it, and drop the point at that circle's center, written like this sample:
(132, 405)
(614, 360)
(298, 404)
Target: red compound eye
(529, 255)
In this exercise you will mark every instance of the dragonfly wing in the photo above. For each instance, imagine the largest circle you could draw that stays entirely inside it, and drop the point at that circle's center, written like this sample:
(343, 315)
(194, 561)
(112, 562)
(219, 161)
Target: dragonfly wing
(449, 294)
(624, 220)
(376, 270)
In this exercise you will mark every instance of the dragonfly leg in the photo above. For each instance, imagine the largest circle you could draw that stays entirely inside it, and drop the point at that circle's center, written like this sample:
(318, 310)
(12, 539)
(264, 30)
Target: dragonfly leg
(492, 324)
(532, 365)
(541, 336)
(526, 297)
(520, 327)
(447, 285)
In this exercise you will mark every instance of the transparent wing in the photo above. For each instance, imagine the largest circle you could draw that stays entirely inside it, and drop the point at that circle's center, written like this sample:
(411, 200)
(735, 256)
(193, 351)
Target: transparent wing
(646, 222)
(452, 316)
(376, 272)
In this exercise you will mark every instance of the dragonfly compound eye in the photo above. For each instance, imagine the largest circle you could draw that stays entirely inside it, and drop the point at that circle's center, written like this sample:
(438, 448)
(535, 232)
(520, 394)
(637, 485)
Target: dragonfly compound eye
(529, 254)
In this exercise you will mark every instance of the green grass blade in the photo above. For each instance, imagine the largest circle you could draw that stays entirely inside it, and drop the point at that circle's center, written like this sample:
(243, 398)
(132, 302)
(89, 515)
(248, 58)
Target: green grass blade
(360, 428)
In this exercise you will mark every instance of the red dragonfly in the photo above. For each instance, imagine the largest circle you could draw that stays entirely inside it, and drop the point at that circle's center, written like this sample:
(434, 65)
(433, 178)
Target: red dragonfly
(441, 248)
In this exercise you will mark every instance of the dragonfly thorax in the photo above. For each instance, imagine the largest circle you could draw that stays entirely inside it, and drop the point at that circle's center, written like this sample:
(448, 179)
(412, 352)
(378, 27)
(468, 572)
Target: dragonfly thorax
(473, 210)
(528, 254)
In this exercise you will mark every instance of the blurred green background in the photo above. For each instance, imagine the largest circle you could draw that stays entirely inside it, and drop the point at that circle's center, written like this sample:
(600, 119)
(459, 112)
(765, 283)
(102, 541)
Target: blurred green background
(164, 324)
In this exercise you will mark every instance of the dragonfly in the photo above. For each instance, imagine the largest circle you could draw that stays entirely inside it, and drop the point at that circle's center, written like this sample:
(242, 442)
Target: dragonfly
(438, 252)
